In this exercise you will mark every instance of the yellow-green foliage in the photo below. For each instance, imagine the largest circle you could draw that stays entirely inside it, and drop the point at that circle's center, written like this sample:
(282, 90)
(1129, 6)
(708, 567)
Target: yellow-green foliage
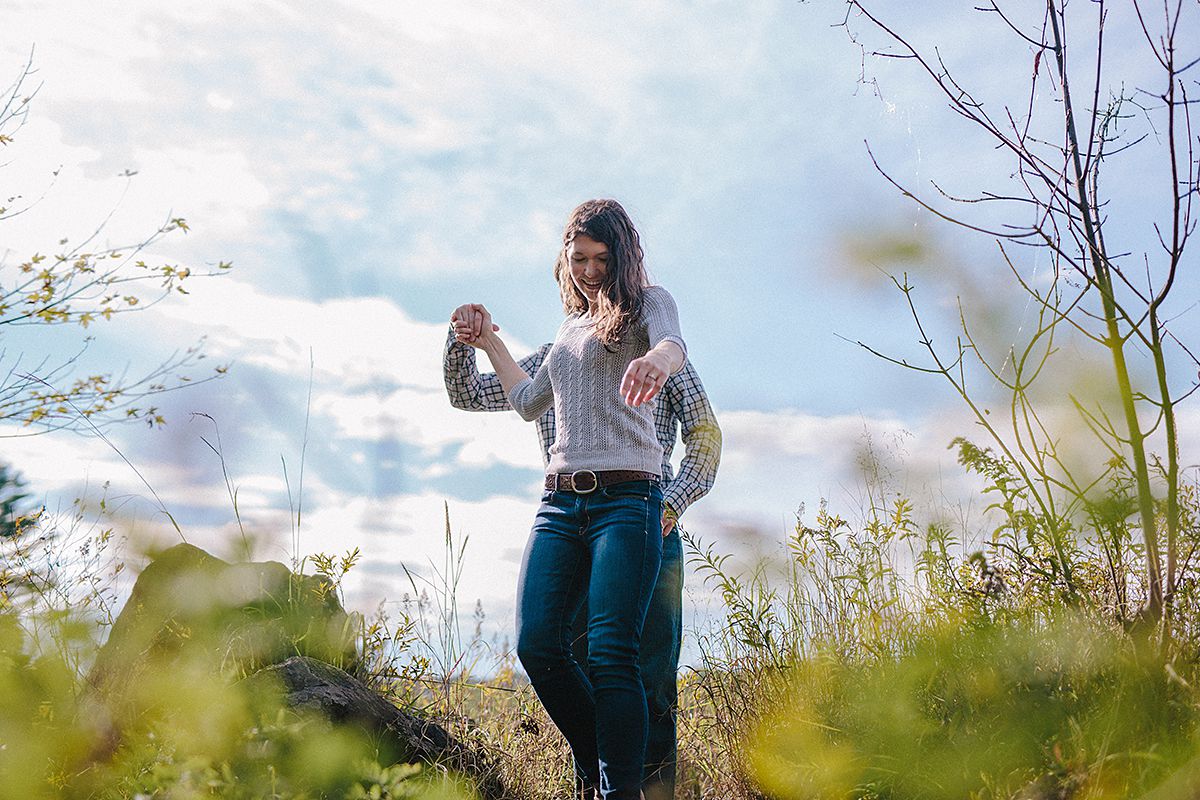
(981, 709)
(199, 736)
(172, 720)
(883, 658)
(37, 730)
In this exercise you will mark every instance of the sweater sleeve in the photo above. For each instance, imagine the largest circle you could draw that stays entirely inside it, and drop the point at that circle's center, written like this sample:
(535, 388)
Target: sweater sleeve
(662, 319)
(534, 396)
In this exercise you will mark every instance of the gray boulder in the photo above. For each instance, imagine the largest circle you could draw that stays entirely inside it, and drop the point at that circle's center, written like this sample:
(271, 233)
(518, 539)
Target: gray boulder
(253, 635)
(400, 736)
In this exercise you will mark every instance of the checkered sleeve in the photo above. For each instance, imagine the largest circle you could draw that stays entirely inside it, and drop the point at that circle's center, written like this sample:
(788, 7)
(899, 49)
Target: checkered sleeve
(468, 389)
(701, 440)
(471, 390)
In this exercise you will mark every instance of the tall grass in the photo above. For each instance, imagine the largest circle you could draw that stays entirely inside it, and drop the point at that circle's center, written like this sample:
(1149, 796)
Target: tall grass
(883, 653)
(892, 658)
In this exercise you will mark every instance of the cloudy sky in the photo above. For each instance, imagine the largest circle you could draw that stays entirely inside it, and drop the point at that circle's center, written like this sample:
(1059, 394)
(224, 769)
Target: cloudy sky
(369, 166)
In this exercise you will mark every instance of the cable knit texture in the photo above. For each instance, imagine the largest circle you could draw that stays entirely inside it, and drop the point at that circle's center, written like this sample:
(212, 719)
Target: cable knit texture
(581, 379)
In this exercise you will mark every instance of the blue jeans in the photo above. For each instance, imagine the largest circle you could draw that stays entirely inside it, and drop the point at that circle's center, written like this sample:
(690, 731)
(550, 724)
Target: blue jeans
(661, 636)
(604, 547)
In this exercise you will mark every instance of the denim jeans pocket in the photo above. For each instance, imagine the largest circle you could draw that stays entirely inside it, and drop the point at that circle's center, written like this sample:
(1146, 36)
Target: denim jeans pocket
(643, 490)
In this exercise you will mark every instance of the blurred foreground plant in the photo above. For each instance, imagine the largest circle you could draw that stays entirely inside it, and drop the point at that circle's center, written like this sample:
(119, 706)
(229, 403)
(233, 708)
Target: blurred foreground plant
(978, 708)
(162, 708)
(200, 736)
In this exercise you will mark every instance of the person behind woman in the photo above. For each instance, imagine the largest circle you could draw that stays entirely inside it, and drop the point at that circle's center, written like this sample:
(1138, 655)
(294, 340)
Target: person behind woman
(598, 531)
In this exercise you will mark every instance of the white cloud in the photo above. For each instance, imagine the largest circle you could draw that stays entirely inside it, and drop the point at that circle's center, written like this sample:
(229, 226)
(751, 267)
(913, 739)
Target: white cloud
(73, 191)
(773, 463)
(84, 56)
(377, 373)
(55, 462)
(425, 419)
(534, 76)
(217, 190)
(354, 341)
(219, 101)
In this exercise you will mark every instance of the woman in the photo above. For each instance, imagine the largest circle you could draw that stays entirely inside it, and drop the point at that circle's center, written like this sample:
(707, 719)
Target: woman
(598, 531)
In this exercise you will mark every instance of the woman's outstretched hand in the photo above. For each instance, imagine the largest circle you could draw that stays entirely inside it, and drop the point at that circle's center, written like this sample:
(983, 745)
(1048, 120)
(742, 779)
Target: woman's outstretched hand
(472, 324)
(644, 377)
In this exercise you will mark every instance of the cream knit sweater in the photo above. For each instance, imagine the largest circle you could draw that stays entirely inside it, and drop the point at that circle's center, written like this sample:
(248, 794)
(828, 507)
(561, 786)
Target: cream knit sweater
(582, 380)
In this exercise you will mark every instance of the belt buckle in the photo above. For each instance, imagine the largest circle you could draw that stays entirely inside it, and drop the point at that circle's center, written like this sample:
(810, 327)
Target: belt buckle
(575, 481)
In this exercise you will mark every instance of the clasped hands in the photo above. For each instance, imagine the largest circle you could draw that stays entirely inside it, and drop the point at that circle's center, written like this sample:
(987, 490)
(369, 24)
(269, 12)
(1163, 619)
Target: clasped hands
(644, 377)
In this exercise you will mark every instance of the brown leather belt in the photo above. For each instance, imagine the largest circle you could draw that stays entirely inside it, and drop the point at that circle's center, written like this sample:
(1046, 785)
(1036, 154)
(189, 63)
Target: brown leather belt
(585, 481)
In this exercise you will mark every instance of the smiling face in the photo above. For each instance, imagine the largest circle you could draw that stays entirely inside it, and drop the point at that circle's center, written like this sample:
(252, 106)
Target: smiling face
(599, 270)
(588, 260)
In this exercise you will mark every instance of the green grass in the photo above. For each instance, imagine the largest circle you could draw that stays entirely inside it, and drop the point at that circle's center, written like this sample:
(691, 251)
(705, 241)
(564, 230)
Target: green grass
(884, 654)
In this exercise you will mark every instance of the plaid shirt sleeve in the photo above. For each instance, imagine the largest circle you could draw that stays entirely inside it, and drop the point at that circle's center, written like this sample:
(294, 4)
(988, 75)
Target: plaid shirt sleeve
(471, 390)
(468, 389)
(701, 439)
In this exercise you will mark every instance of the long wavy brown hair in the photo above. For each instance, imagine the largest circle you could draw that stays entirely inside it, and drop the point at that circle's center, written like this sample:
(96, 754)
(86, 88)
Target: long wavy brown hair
(619, 301)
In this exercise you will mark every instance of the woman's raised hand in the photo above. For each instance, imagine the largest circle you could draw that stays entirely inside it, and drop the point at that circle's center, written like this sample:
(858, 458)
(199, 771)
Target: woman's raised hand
(472, 324)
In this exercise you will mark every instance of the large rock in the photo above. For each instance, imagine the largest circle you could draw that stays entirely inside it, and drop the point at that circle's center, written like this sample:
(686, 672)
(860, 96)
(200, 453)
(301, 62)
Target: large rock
(240, 617)
(401, 736)
(201, 641)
